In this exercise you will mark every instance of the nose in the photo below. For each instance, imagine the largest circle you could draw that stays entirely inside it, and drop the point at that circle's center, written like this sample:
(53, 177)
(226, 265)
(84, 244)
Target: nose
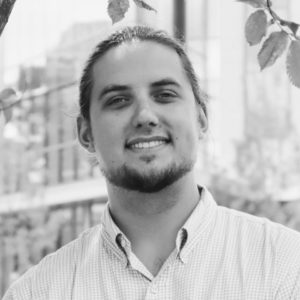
(145, 115)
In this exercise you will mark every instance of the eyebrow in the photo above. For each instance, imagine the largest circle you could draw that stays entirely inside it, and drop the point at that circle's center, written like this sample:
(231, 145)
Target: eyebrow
(113, 88)
(164, 82)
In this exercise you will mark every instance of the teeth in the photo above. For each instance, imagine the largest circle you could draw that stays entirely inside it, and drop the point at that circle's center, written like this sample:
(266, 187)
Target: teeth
(146, 145)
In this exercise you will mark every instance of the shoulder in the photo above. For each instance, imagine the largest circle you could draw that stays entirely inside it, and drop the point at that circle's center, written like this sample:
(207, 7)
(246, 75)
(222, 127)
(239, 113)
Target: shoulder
(277, 248)
(55, 270)
(63, 262)
(277, 234)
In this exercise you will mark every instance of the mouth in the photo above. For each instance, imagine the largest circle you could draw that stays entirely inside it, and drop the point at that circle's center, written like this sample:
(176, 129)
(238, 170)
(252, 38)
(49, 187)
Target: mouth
(142, 143)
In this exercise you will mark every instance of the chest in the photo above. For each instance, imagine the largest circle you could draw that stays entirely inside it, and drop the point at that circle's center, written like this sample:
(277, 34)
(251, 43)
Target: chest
(196, 279)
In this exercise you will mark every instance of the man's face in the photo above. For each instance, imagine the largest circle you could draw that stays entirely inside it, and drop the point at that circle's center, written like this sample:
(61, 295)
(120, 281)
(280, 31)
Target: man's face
(144, 119)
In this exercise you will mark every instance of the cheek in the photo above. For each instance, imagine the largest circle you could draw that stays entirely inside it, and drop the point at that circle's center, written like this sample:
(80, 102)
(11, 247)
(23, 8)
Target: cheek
(186, 135)
(107, 141)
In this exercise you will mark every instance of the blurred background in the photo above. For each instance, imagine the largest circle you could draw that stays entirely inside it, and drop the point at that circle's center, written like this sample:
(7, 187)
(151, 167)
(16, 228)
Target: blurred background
(51, 190)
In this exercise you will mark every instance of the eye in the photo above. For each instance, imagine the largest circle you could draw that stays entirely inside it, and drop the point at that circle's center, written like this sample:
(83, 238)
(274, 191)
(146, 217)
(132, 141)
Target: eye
(117, 101)
(165, 96)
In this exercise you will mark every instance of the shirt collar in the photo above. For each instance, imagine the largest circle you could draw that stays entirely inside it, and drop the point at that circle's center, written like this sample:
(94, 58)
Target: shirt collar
(116, 236)
(197, 223)
(193, 222)
(109, 224)
(186, 236)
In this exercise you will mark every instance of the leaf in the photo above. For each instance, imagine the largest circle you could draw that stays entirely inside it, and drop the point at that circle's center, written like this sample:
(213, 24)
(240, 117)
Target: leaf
(293, 63)
(143, 4)
(255, 3)
(256, 27)
(2, 122)
(271, 22)
(7, 98)
(272, 48)
(6, 112)
(294, 27)
(116, 9)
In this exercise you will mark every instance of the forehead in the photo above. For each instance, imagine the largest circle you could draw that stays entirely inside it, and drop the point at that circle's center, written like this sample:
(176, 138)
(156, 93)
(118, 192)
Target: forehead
(137, 61)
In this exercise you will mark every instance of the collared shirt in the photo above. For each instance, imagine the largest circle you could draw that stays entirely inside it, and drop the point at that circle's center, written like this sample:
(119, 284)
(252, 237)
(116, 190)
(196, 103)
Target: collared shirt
(220, 254)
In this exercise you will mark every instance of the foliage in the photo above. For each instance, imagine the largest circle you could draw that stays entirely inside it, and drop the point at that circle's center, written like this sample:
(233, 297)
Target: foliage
(27, 236)
(256, 27)
(293, 62)
(30, 235)
(225, 193)
(117, 8)
(274, 45)
(264, 168)
(7, 99)
(272, 48)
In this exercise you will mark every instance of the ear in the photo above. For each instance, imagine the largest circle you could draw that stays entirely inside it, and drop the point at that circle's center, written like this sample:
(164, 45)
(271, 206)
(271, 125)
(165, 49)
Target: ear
(203, 122)
(84, 134)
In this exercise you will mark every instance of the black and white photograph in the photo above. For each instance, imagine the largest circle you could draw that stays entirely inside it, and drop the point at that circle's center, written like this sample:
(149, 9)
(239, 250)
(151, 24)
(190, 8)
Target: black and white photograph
(150, 149)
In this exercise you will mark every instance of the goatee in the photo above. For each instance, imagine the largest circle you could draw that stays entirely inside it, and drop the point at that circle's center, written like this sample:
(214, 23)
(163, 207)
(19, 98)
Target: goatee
(150, 182)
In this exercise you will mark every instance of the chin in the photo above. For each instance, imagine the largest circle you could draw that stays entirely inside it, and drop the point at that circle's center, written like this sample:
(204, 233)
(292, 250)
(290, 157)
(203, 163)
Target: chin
(151, 180)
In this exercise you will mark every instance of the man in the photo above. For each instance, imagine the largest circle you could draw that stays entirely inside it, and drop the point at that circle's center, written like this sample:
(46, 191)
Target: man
(162, 236)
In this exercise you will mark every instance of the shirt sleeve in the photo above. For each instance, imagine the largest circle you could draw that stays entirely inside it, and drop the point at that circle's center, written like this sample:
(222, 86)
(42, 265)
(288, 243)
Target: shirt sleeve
(289, 287)
(8, 295)
(296, 289)
(21, 288)
(53, 275)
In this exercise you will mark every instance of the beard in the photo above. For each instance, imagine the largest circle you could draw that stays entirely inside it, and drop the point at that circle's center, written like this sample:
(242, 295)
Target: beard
(150, 182)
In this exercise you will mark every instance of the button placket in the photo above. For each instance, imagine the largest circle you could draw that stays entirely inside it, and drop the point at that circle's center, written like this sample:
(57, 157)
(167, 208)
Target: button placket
(154, 289)
(123, 243)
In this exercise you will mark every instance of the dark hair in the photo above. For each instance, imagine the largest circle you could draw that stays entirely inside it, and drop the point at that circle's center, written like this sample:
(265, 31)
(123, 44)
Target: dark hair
(128, 34)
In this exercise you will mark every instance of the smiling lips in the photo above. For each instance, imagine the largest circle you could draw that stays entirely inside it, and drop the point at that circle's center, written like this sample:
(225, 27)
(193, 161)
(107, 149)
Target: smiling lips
(147, 142)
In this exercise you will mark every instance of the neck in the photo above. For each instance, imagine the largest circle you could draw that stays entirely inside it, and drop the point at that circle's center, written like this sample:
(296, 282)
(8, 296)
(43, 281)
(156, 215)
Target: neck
(151, 221)
(153, 214)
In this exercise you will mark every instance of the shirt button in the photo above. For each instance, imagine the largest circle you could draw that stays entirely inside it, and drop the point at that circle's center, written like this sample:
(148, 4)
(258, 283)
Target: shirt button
(123, 243)
(153, 290)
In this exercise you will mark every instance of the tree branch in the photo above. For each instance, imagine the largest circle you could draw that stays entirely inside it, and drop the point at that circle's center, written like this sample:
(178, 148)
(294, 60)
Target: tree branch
(38, 94)
(6, 7)
(292, 26)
